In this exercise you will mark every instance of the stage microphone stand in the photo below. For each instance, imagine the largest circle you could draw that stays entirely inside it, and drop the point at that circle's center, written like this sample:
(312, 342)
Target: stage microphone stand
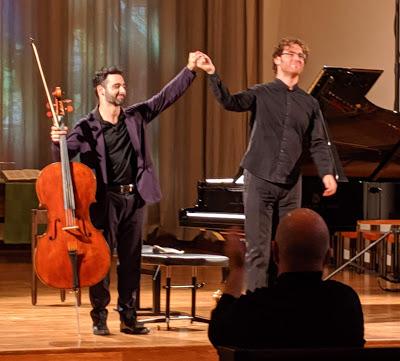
(396, 276)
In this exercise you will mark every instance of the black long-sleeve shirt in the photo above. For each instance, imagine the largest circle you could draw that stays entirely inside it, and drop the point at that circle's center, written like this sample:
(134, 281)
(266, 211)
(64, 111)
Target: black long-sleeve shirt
(284, 123)
(300, 311)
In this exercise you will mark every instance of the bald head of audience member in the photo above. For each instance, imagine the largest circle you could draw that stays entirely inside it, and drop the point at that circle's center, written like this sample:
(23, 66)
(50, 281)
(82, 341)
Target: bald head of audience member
(302, 242)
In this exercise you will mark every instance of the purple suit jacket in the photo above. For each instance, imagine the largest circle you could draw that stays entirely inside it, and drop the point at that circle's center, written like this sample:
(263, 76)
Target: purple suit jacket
(87, 140)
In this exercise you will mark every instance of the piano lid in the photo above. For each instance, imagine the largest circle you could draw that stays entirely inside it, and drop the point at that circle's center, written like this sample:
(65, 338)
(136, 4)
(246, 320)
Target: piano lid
(367, 137)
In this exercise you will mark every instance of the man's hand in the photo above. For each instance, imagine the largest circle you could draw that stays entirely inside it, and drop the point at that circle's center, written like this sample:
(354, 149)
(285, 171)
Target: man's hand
(193, 59)
(205, 63)
(330, 185)
(56, 133)
(235, 250)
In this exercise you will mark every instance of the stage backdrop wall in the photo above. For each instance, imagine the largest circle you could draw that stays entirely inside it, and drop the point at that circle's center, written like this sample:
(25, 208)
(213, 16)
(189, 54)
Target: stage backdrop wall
(347, 33)
(151, 39)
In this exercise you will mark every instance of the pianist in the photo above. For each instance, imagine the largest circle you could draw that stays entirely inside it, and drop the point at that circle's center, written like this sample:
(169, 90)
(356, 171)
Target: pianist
(285, 120)
(301, 310)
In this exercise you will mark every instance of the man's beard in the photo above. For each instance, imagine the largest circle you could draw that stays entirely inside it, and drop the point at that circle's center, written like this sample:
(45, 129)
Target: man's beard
(115, 100)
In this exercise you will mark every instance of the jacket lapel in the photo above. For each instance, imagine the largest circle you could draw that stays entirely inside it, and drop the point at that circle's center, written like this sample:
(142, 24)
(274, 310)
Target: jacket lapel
(132, 126)
(98, 137)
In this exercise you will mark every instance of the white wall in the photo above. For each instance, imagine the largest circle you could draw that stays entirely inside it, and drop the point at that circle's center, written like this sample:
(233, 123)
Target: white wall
(347, 33)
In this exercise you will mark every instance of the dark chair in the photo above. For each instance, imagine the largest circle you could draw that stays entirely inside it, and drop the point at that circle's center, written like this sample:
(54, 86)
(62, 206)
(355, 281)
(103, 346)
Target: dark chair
(193, 260)
(339, 245)
(323, 354)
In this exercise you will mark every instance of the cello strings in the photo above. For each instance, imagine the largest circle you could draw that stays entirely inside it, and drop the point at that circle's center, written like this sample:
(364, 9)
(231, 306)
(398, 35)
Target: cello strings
(68, 194)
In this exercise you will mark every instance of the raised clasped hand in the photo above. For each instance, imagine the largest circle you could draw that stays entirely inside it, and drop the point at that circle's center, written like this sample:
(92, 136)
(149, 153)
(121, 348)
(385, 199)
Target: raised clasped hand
(205, 63)
(193, 59)
(200, 60)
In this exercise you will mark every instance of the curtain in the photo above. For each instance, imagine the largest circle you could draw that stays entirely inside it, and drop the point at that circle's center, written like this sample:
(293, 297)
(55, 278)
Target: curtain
(150, 40)
(74, 39)
(197, 138)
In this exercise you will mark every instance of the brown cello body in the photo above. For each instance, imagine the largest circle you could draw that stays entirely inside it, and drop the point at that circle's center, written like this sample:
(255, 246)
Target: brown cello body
(65, 235)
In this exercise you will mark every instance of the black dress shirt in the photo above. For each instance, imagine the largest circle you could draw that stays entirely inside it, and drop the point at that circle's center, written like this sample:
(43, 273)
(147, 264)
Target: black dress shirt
(284, 123)
(300, 311)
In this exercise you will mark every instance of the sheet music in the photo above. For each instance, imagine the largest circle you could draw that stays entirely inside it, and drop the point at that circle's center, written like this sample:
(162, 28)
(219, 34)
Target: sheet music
(20, 175)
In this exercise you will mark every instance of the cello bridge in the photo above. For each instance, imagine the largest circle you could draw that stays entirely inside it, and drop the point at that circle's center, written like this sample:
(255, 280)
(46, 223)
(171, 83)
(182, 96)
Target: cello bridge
(67, 228)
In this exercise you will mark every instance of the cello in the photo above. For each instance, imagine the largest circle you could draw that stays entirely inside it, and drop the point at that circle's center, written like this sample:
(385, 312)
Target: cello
(72, 253)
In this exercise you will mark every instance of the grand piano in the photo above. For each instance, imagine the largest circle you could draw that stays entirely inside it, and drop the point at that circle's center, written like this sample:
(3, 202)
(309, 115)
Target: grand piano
(365, 143)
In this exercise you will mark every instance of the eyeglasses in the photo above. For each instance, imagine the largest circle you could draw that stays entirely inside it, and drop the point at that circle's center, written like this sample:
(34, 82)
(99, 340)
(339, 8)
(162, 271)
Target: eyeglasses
(299, 55)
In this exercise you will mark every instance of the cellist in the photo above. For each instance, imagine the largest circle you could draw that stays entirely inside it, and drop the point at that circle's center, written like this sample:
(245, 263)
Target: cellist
(110, 140)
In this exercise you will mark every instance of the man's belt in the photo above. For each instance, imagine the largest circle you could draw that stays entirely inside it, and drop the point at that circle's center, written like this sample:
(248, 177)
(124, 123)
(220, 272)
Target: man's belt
(122, 188)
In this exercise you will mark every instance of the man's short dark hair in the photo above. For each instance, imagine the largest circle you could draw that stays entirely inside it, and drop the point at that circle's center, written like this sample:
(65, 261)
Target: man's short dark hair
(101, 75)
(279, 49)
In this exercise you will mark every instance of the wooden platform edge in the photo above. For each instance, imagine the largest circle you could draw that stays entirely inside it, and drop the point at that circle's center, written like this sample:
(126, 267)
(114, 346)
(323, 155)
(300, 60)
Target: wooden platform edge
(160, 353)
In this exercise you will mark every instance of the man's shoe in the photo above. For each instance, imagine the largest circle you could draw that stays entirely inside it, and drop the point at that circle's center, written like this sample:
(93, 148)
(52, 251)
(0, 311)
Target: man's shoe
(129, 322)
(99, 319)
(100, 328)
(134, 328)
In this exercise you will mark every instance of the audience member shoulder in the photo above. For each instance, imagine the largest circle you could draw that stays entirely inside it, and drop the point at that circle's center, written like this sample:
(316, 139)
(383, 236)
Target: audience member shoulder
(339, 287)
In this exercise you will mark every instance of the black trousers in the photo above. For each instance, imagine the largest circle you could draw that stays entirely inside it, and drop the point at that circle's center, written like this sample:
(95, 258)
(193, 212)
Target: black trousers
(122, 222)
(264, 204)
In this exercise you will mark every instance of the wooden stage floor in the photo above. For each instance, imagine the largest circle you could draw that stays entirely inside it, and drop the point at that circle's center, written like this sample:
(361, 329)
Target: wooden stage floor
(48, 331)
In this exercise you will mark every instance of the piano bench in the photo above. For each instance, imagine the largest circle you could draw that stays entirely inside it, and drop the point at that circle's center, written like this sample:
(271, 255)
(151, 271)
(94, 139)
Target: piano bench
(168, 261)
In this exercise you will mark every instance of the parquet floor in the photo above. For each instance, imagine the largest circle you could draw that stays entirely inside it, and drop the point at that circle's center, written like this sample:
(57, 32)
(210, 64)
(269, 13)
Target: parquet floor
(49, 330)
